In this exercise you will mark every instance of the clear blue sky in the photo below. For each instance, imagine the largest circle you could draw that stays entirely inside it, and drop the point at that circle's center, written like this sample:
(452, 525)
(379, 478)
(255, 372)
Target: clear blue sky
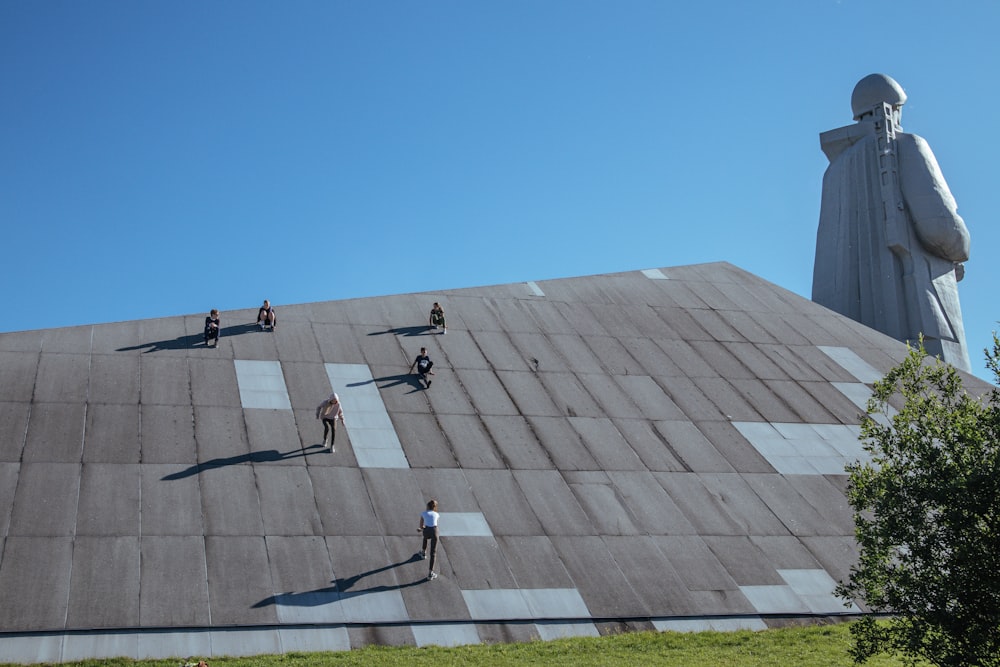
(161, 158)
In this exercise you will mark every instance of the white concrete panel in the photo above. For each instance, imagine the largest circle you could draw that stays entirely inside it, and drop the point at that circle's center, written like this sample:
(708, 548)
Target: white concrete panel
(464, 524)
(816, 588)
(555, 603)
(89, 646)
(377, 607)
(774, 599)
(381, 458)
(31, 650)
(704, 624)
(262, 385)
(654, 274)
(757, 430)
(792, 465)
(555, 630)
(794, 431)
(852, 363)
(855, 392)
(446, 634)
(245, 642)
(494, 604)
(314, 640)
(373, 437)
(535, 289)
(161, 645)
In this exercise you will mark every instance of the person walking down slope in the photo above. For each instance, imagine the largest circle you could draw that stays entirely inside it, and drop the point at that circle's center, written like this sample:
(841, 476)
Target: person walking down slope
(423, 364)
(330, 411)
(437, 317)
(429, 529)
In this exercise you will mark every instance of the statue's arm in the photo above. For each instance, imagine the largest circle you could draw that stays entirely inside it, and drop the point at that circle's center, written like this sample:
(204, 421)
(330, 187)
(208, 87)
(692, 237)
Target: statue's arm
(929, 202)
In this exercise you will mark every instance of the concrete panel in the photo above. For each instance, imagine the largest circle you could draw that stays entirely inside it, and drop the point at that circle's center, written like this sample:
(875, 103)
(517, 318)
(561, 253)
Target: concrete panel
(606, 444)
(709, 624)
(14, 424)
(450, 488)
(238, 578)
(721, 359)
(17, 375)
(80, 647)
(297, 342)
(221, 437)
(112, 434)
(167, 434)
(647, 444)
(541, 352)
(464, 524)
(534, 561)
(517, 444)
(471, 442)
(769, 401)
(396, 498)
(303, 581)
(62, 378)
(287, 502)
(695, 405)
(703, 509)
(32, 649)
(691, 448)
(314, 640)
(488, 395)
(164, 381)
(797, 515)
(477, 563)
(573, 355)
(104, 588)
(36, 572)
(162, 645)
(644, 393)
(448, 634)
(239, 642)
(600, 502)
(746, 564)
(727, 399)
(262, 385)
(743, 502)
(254, 344)
(337, 343)
(494, 604)
(738, 453)
(45, 502)
(695, 563)
(174, 582)
(230, 502)
(424, 442)
(554, 503)
(651, 575)
(748, 328)
(549, 630)
(55, 432)
(213, 382)
(114, 379)
(342, 501)
(109, 500)
(170, 506)
(682, 328)
(274, 431)
(649, 507)
(601, 583)
(8, 484)
(504, 504)
(562, 444)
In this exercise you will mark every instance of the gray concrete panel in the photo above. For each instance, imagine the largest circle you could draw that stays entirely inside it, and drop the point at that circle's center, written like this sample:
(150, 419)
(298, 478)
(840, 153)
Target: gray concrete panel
(446, 635)
(642, 391)
(471, 442)
(104, 587)
(21, 341)
(743, 502)
(429, 600)
(614, 356)
(78, 647)
(14, 424)
(167, 434)
(341, 498)
(600, 503)
(167, 337)
(504, 504)
(221, 436)
(528, 393)
(681, 326)
(519, 449)
(45, 502)
(789, 362)
(255, 344)
(747, 326)
(500, 350)
(833, 401)
(712, 296)
(477, 563)
(171, 500)
(790, 396)
(239, 642)
(297, 342)
(115, 337)
(17, 376)
(303, 580)
(738, 453)
(462, 351)
(31, 649)
(114, 379)
(730, 402)
(703, 509)
(686, 358)
(785, 553)
(650, 507)
(574, 355)
(164, 381)
(695, 563)
(161, 645)
(534, 562)
(396, 498)
(230, 502)
(287, 502)
(652, 357)
(338, 343)
(270, 431)
(690, 447)
(828, 500)
(648, 445)
(423, 441)
(680, 293)
(307, 384)
(606, 444)
(383, 350)
(35, 573)
(449, 487)
(512, 314)
(488, 395)
(547, 317)
(213, 382)
(779, 329)
(62, 378)
(562, 443)
(743, 560)
(448, 395)
(382, 635)
(600, 581)
(717, 326)
(238, 578)
(72, 340)
(651, 575)
(541, 352)
(721, 359)
(836, 553)
(822, 364)
(582, 321)
(112, 434)
(760, 365)
(109, 500)
(612, 399)
(569, 394)
(8, 484)
(314, 640)
(553, 503)
(798, 516)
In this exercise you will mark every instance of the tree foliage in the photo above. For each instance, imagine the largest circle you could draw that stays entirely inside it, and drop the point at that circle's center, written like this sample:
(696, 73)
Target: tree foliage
(927, 518)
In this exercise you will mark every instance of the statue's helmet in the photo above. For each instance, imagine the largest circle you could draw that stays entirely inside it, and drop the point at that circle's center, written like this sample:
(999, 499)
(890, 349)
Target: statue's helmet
(875, 89)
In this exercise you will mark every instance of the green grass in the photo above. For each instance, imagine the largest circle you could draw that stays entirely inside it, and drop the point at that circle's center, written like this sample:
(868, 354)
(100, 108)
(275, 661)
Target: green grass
(806, 646)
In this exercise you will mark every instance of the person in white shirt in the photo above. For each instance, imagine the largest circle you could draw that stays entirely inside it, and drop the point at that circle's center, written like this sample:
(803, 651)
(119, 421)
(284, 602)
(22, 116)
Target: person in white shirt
(429, 529)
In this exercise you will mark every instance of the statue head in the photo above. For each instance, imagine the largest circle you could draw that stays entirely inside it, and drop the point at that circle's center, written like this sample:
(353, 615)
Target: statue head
(873, 90)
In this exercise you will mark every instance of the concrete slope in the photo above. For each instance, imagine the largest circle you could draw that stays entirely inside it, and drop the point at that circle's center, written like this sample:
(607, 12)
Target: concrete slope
(650, 449)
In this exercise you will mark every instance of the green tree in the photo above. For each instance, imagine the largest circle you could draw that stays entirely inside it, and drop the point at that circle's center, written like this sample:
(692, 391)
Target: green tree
(927, 518)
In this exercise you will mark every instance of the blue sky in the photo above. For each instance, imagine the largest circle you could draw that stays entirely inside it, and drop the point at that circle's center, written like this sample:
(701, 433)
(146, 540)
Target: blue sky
(163, 158)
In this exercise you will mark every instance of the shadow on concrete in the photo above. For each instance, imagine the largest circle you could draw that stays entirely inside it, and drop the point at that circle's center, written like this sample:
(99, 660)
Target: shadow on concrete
(266, 456)
(390, 381)
(424, 330)
(185, 342)
(342, 589)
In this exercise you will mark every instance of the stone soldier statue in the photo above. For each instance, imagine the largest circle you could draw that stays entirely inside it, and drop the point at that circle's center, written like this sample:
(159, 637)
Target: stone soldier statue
(890, 244)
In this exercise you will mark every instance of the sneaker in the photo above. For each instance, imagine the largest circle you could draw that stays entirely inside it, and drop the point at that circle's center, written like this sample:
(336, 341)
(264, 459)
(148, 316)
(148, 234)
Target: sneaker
(423, 555)
(429, 382)
(432, 575)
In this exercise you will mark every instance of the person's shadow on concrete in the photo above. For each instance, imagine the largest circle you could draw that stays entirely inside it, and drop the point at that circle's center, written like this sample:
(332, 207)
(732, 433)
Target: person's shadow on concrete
(342, 589)
(394, 381)
(424, 330)
(185, 342)
(266, 456)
